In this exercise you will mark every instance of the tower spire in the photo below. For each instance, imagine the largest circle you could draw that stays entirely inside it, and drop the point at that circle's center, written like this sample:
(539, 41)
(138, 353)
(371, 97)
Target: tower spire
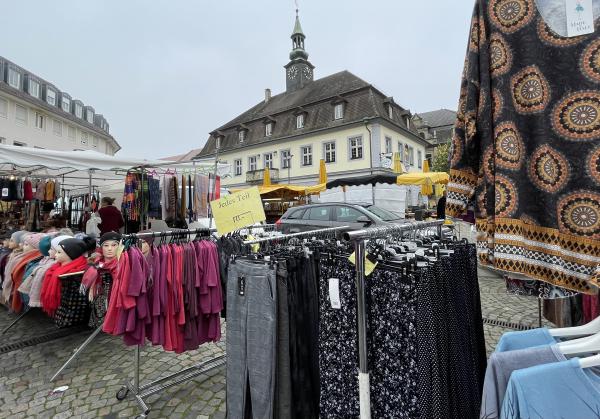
(299, 71)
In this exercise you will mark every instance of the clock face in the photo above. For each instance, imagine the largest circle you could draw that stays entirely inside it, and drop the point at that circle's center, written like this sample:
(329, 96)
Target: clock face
(307, 72)
(292, 72)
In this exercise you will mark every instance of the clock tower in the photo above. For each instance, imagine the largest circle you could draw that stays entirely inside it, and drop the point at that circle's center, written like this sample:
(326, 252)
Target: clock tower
(299, 71)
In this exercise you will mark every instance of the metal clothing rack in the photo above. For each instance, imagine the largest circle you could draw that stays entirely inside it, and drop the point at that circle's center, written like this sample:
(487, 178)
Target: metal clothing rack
(300, 234)
(359, 237)
(140, 392)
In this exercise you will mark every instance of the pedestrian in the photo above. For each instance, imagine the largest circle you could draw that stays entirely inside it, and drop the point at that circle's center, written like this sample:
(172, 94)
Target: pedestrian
(441, 207)
(111, 217)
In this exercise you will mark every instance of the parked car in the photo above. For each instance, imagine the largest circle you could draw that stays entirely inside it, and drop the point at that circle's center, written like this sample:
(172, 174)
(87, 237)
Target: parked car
(314, 216)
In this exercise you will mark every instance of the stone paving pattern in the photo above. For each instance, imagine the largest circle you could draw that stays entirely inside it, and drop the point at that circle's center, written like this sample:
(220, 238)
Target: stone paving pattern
(96, 376)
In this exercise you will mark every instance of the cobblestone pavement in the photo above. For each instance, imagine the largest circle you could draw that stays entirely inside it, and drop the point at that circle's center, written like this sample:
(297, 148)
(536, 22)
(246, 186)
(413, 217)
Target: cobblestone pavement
(96, 376)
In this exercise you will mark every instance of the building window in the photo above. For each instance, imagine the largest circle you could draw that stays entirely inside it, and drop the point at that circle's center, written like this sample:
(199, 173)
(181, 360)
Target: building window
(34, 88)
(89, 115)
(84, 138)
(420, 159)
(390, 111)
(329, 152)
(66, 104)
(57, 127)
(286, 159)
(356, 148)
(21, 114)
(307, 157)
(388, 145)
(339, 111)
(252, 163)
(78, 110)
(71, 133)
(2, 140)
(19, 144)
(14, 78)
(242, 135)
(269, 160)
(405, 155)
(95, 142)
(300, 121)
(411, 156)
(237, 164)
(3, 107)
(50, 97)
(39, 120)
(269, 129)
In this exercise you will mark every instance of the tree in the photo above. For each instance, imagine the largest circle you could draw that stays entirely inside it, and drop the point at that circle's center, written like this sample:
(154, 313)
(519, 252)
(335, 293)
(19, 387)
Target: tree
(440, 158)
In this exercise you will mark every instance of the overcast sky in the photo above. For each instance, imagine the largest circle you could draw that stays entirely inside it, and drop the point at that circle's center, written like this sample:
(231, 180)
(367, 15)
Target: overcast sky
(164, 73)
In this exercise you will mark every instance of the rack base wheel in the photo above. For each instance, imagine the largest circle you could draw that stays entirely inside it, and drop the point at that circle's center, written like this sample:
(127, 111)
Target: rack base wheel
(122, 393)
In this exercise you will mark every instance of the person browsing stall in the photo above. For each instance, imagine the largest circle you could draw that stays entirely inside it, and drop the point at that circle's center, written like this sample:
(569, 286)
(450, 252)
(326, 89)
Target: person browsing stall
(112, 219)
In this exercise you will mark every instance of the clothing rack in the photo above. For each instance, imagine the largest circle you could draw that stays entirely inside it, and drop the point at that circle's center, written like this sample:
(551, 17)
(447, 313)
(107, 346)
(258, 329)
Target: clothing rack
(359, 237)
(300, 234)
(140, 392)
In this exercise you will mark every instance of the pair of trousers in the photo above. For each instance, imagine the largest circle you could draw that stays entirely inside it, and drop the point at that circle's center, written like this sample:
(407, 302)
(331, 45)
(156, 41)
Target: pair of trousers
(283, 382)
(251, 339)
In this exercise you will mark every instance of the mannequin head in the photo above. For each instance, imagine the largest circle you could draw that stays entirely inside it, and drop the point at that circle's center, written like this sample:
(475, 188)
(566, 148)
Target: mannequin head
(146, 242)
(5, 242)
(145, 248)
(109, 249)
(16, 239)
(70, 249)
(110, 243)
(31, 242)
(52, 253)
(61, 256)
(55, 243)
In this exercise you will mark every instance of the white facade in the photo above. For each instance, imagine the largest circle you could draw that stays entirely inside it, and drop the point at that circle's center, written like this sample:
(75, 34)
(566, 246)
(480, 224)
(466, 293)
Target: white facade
(34, 113)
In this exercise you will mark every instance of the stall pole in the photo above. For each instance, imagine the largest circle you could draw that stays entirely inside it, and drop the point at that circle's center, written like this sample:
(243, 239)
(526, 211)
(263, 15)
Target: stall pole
(77, 352)
(363, 367)
(210, 214)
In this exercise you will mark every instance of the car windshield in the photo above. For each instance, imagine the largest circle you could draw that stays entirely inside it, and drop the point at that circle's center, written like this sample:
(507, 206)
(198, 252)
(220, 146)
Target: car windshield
(384, 214)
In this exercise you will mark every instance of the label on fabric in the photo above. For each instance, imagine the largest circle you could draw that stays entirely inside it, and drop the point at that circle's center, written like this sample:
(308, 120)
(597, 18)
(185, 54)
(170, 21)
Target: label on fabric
(242, 285)
(4, 191)
(334, 293)
(580, 17)
(369, 266)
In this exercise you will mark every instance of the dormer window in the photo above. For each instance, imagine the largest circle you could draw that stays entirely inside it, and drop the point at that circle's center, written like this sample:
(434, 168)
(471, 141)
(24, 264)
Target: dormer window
(14, 78)
(65, 104)
(89, 116)
(390, 111)
(300, 121)
(242, 135)
(33, 88)
(50, 97)
(268, 129)
(339, 111)
(78, 110)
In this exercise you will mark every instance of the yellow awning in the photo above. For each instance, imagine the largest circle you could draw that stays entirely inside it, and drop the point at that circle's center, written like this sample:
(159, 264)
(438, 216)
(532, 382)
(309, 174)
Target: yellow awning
(427, 188)
(288, 190)
(267, 177)
(428, 178)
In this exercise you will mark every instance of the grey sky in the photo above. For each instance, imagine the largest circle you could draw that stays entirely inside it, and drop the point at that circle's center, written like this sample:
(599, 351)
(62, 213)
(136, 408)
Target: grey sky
(165, 73)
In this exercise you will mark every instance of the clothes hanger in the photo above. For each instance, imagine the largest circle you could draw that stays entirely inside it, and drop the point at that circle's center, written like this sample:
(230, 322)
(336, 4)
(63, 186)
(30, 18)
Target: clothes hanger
(590, 361)
(583, 346)
(587, 329)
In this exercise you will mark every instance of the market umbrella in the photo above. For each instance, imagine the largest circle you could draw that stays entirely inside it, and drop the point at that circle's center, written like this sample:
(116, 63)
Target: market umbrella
(426, 188)
(322, 172)
(397, 163)
(267, 177)
(422, 178)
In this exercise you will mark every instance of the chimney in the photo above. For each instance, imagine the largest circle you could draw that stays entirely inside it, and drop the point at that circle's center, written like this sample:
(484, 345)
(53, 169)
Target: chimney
(267, 95)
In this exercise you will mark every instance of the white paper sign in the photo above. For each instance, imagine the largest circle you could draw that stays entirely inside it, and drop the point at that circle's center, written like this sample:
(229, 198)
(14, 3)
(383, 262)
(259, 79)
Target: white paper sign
(4, 192)
(334, 293)
(580, 17)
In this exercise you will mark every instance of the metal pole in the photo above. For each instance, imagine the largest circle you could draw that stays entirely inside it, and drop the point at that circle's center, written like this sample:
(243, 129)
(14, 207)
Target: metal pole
(136, 372)
(77, 352)
(363, 367)
(217, 144)
(539, 312)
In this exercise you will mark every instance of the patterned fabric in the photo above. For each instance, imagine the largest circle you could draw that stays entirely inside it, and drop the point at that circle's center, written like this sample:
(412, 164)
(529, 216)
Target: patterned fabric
(131, 206)
(154, 200)
(526, 146)
(74, 308)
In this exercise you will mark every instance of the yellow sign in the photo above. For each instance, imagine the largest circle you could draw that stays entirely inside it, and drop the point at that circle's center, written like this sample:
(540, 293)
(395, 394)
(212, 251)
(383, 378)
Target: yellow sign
(238, 210)
(369, 266)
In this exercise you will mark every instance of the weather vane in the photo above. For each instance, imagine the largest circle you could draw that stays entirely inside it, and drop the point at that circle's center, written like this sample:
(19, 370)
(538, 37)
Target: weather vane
(296, 3)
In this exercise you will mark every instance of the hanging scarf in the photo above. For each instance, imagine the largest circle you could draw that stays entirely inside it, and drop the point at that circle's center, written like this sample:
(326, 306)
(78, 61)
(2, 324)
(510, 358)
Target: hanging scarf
(51, 288)
(91, 279)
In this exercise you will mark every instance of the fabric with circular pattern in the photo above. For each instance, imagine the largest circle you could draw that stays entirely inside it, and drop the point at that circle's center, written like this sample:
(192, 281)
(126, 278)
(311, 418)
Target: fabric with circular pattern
(510, 149)
(579, 214)
(530, 90)
(593, 165)
(549, 37)
(511, 15)
(500, 55)
(577, 116)
(497, 104)
(590, 61)
(548, 169)
(506, 196)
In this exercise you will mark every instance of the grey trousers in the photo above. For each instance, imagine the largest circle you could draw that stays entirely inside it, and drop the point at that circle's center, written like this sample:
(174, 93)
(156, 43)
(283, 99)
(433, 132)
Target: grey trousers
(283, 382)
(251, 339)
